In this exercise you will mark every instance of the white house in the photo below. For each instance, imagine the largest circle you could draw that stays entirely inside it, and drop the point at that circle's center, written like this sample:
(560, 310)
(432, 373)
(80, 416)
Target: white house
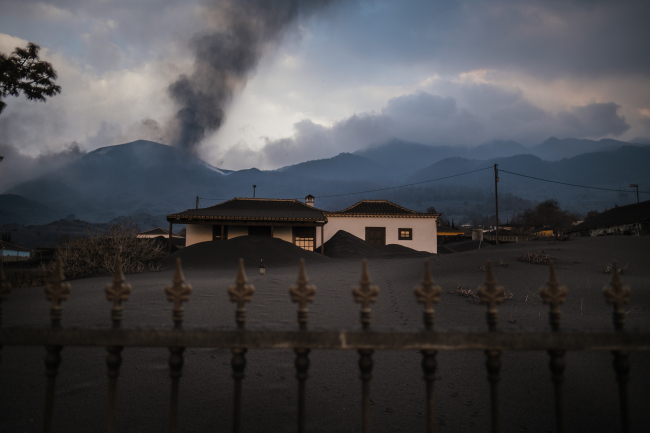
(12, 252)
(376, 221)
(382, 222)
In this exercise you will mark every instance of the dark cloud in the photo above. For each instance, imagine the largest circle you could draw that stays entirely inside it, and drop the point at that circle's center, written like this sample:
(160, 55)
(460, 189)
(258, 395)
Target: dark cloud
(493, 113)
(545, 39)
(594, 120)
(225, 59)
(18, 167)
(421, 105)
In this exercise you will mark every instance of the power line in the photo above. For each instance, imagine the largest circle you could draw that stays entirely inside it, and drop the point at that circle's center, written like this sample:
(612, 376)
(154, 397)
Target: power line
(402, 186)
(571, 184)
(456, 175)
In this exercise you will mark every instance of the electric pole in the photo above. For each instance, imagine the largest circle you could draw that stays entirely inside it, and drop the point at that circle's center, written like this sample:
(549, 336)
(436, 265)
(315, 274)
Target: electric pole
(496, 197)
(634, 185)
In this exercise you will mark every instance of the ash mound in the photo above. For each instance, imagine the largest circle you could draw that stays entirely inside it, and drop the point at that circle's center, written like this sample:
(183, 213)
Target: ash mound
(226, 254)
(345, 245)
(462, 246)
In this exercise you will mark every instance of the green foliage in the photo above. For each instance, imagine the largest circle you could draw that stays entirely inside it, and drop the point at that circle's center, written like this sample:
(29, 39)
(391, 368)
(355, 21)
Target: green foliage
(22, 71)
(545, 214)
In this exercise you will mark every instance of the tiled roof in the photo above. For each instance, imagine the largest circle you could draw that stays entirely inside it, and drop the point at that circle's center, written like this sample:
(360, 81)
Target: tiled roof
(627, 214)
(255, 209)
(159, 231)
(370, 208)
(12, 247)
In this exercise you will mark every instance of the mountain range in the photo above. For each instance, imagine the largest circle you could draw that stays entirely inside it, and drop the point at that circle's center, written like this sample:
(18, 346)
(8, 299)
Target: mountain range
(147, 178)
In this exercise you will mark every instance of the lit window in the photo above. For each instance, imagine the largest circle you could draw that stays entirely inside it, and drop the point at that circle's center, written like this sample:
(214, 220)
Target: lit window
(405, 234)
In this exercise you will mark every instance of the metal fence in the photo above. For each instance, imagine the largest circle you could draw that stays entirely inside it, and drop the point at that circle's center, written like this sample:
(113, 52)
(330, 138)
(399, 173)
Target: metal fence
(302, 341)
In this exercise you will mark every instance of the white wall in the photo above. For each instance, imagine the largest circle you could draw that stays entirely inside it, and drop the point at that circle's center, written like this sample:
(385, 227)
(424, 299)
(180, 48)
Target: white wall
(424, 230)
(283, 232)
(203, 232)
(196, 233)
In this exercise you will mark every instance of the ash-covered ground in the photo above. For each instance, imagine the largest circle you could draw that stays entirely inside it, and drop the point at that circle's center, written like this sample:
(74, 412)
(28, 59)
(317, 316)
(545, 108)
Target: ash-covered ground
(334, 388)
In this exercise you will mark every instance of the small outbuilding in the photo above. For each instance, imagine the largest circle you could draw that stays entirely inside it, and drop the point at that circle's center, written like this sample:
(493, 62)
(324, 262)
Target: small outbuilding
(632, 219)
(13, 252)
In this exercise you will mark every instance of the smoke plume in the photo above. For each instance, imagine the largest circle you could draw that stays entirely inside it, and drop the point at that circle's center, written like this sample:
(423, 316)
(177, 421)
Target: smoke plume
(225, 58)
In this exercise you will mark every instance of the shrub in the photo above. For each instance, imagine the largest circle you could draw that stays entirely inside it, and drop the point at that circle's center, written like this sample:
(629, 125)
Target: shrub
(538, 257)
(96, 253)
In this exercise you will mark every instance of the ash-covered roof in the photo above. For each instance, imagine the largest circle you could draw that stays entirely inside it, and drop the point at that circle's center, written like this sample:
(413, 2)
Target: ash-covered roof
(627, 214)
(264, 209)
(12, 247)
(159, 231)
(376, 208)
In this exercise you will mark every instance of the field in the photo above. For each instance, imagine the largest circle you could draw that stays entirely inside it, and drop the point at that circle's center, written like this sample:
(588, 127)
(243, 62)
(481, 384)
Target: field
(333, 389)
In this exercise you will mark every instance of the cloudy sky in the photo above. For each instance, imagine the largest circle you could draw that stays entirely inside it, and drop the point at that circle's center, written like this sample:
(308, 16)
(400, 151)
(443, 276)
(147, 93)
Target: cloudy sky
(267, 83)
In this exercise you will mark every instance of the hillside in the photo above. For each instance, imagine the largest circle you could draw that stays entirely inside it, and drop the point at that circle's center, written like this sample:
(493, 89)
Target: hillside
(14, 208)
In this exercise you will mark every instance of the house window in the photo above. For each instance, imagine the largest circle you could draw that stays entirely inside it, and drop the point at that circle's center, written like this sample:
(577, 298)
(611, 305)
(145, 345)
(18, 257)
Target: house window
(305, 237)
(405, 234)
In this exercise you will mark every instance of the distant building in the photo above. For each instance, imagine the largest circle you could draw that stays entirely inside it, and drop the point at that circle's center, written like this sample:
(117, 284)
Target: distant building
(12, 252)
(632, 219)
(543, 232)
(447, 234)
(377, 221)
(158, 231)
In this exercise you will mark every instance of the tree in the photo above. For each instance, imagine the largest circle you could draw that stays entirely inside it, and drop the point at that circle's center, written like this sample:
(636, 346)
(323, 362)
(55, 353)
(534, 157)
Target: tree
(22, 71)
(546, 214)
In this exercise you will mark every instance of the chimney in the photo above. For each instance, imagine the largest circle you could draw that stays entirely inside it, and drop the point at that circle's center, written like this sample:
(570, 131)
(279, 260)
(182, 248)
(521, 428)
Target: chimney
(309, 200)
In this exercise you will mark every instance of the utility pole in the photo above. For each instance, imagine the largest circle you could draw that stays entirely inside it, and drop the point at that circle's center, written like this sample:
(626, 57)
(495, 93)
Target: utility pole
(197, 201)
(496, 197)
(634, 185)
(254, 186)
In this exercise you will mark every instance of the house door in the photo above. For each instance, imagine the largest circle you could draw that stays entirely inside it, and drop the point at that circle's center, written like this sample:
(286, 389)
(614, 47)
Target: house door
(376, 235)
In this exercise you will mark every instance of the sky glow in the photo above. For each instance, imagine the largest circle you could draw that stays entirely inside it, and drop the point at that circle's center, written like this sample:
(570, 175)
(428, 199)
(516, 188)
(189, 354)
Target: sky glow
(338, 78)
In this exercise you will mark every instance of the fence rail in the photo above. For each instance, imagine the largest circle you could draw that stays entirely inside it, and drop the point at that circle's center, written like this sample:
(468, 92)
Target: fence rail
(302, 341)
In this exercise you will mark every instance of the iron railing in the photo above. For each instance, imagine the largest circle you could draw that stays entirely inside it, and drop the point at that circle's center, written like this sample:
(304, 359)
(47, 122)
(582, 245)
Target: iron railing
(302, 341)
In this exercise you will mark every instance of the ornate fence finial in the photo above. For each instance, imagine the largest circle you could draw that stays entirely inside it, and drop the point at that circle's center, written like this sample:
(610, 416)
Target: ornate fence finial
(618, 295)
(302, 293)
(491, 294)
(428, 294)
(117, 292)
(56, 292)
(554, 295)
(241, 293)
(365, 294)
(178, 293)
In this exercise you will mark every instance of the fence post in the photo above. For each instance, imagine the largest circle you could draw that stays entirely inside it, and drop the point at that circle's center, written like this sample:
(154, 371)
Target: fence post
(302, 293)
(428, 294)
(618, 295)
(554, 295)
(177, 293)
(365, 294)
(241, 293)
(491, 294)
